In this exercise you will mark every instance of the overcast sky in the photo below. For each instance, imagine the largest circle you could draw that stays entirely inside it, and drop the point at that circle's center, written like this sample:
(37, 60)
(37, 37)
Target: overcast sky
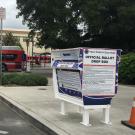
(11, 12)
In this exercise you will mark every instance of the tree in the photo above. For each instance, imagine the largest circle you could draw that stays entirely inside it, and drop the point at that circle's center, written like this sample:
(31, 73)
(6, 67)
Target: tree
(111, 22)
(103, 23)
(54, 20)
(10, 40)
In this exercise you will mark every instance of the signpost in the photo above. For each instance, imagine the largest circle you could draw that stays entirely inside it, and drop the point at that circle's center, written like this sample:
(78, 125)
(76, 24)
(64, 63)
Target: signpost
(2, 17)
(86, 77)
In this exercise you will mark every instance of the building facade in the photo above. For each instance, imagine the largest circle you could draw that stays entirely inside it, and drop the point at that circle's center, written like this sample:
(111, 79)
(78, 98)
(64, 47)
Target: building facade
(22, 35)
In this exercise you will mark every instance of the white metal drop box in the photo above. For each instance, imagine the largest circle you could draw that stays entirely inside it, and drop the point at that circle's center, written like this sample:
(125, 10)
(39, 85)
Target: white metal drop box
(86, 77)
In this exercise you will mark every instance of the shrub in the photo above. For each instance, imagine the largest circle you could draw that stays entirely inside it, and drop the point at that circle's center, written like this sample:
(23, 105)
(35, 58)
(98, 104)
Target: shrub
(127, 69)
(24, 79)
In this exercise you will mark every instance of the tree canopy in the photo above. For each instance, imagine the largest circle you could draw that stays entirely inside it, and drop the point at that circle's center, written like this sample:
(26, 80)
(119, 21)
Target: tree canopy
(10, 40)
(73, 23)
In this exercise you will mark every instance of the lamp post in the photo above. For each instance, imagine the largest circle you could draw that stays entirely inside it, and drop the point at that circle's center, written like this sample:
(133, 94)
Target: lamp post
(27, 44)
(28, 57)
(2, 17)
(32, 49)
(31, 37)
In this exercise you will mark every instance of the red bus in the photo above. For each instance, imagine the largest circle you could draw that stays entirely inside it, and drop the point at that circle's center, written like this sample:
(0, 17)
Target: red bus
(46, 57)
(39, 58)
(13, 58)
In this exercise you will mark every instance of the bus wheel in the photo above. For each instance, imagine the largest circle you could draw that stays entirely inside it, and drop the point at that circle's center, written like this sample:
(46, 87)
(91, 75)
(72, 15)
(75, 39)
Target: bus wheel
(4, 68)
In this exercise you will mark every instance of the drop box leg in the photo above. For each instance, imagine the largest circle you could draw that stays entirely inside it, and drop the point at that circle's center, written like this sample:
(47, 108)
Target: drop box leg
(106, 115)
(85, 118)
(63, 108)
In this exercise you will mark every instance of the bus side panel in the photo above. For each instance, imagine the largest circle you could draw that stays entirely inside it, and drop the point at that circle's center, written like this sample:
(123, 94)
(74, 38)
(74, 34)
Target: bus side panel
(13, 59)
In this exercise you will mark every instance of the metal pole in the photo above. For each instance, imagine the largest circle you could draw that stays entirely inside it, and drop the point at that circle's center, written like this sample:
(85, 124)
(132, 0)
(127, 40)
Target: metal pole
(32, 50)
(27, 43)
(1, 51)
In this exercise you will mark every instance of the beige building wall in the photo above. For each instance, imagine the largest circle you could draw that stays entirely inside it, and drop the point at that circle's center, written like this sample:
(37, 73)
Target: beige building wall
(21, 35)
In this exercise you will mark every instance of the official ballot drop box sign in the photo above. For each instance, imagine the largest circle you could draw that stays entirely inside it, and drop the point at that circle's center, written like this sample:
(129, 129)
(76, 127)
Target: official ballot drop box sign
(86, 77)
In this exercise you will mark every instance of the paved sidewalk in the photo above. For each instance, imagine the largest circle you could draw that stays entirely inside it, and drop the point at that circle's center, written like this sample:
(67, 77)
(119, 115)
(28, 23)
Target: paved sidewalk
(41, 104)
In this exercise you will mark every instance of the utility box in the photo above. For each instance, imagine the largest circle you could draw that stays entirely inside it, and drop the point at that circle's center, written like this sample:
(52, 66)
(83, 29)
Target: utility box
(86, 77)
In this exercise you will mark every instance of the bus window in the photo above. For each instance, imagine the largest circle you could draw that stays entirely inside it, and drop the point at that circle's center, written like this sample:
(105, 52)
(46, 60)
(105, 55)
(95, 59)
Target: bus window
(24, 57)
(9, 56)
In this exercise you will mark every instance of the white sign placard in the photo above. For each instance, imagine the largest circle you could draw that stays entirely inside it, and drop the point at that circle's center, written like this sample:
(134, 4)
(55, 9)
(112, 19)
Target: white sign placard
(65, 77)
(99, 72)
(2, 13)
(100, 57)
(65, 54)
(99, 80)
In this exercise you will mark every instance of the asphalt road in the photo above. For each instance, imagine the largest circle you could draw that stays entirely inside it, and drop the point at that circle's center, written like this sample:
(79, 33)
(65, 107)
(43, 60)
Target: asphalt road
(12, 123)
(47, 72)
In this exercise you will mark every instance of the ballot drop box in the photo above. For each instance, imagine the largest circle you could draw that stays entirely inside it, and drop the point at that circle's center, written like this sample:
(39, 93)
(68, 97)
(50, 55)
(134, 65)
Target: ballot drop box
(86, 77)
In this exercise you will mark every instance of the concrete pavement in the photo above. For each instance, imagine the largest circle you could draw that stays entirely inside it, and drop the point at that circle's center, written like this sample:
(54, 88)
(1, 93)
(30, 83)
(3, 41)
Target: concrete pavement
(39, 102)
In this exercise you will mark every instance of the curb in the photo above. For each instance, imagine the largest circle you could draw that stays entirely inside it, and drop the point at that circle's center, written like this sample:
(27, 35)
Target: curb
(44, 125)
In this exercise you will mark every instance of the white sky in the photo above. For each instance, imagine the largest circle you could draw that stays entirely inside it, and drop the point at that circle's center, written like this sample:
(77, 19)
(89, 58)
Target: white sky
(11, 12)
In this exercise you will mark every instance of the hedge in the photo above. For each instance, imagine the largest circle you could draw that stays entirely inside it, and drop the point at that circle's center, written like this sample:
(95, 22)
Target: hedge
(127, 69)
(24, 79)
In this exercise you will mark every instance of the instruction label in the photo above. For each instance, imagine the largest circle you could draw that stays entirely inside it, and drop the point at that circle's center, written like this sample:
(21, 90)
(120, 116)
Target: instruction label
(99, 72)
